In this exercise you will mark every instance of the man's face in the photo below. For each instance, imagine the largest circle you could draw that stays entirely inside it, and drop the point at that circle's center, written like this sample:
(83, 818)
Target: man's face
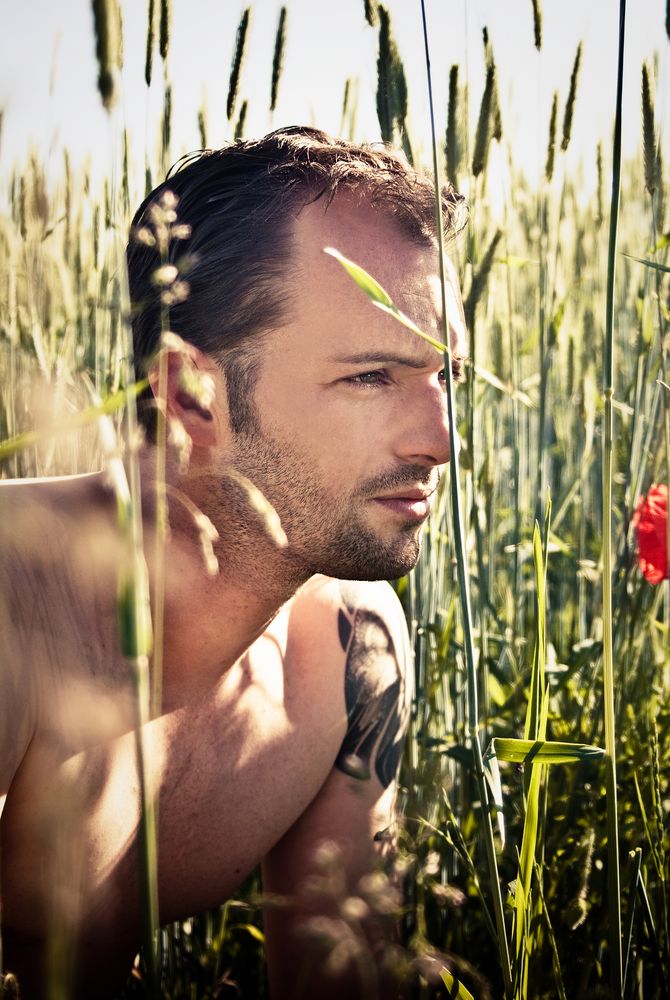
(351, 406)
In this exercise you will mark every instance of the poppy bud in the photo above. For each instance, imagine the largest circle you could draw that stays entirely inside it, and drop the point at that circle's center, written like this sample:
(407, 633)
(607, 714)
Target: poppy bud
(650, 521)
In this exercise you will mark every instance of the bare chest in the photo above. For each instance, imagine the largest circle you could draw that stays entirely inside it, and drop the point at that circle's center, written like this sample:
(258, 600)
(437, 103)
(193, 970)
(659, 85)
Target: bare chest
(231, 771)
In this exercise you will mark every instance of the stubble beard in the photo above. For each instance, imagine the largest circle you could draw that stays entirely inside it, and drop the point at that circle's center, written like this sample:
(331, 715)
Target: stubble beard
(327, 533)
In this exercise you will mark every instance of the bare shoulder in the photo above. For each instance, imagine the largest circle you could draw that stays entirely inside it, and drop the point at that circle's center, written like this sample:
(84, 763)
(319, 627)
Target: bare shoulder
(55, 549)
(365, 623)
(323, 597)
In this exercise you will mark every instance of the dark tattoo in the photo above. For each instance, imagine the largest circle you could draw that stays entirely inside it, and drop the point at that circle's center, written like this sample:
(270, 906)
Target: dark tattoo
(375, 696)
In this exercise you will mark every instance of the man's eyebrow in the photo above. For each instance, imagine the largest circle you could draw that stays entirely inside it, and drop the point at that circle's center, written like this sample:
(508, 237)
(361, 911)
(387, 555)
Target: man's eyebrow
(377, 358)
(387, 358)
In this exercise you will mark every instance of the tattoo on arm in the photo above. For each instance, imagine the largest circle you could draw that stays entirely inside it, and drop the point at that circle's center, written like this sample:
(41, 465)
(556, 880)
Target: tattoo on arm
(375, 695)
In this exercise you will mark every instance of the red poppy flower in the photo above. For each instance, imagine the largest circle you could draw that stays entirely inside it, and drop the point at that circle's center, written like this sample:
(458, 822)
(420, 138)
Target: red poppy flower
(650, 521)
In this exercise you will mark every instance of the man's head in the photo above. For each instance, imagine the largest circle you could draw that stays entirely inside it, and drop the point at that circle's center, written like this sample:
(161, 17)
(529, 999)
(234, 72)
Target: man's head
(241, 203)
(334, 410)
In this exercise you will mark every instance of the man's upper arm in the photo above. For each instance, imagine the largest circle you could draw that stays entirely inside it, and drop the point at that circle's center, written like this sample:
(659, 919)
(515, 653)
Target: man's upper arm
(355, 806)
(377, 681)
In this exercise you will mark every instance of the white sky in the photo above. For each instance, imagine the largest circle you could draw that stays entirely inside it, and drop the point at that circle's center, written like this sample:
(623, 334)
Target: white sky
(50, 100)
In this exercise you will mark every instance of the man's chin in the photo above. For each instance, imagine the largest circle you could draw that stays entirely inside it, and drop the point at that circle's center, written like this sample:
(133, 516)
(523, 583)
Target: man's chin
(373, 559)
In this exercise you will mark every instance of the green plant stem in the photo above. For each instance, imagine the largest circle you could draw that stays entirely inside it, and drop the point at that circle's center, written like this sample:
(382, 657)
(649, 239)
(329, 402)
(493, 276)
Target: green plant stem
(473, 721)
(613, 874)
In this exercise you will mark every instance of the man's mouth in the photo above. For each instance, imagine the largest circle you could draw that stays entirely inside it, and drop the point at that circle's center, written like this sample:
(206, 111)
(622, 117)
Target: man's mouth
(413, 505)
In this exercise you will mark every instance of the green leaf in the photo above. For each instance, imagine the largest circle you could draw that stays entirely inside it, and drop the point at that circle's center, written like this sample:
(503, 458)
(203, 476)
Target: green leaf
(541, 751)
(254, 931)
(365, 281)
(648, 263)
(457, 990)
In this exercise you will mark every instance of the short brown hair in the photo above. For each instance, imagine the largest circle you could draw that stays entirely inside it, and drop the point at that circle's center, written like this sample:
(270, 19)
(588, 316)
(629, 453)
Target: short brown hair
(239, 203)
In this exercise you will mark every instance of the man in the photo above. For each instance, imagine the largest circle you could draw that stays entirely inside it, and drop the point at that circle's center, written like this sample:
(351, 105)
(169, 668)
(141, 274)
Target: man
(285, 692)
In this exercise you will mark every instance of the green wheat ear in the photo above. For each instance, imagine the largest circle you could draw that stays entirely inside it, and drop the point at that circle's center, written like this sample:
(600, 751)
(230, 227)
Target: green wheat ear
(537, 24)
(236, 64)
(278, 58)
(648, 132)
(484, 130)
(164, 31)
(241, 121)
(151, 39)
(551, 145)
(371, 17)
(452, 147)
(570, 103)
(106, 23)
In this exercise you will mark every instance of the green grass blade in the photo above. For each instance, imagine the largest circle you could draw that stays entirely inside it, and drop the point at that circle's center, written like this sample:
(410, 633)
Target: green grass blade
(541, 751)
(457, 990)
(648, 263)
(613, 874)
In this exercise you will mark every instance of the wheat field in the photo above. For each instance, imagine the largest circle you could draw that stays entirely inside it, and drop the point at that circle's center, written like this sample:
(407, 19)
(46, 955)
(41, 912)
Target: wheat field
(545, 697)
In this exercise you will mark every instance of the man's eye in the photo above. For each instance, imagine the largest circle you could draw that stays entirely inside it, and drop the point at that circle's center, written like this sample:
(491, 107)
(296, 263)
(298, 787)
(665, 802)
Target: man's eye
(457, 373)
(368, 378)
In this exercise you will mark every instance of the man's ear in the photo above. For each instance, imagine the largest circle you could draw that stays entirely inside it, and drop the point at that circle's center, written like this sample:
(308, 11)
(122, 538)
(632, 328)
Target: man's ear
(193, 393)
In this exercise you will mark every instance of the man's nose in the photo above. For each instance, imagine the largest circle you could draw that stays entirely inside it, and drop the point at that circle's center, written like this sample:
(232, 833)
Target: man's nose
(425, 438)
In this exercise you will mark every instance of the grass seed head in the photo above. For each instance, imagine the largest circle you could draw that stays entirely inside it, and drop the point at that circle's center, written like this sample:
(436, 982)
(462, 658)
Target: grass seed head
(202, 127)
(236, 64)
(484, 124)
(452, 145)
(165, 26)
(371, 12)
(106, 23)
(391, 83)
(278, 58)
(537, 24)
(551, 145)
(241, 121)
(648, 132)
(151, 39)
(568, 114)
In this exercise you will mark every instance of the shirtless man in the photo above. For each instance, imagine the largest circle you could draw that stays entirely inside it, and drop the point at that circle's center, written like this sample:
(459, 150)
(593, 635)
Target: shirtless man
(285, 692)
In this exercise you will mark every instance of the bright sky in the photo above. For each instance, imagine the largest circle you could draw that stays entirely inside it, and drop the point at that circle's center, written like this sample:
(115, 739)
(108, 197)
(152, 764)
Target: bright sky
(50, 101)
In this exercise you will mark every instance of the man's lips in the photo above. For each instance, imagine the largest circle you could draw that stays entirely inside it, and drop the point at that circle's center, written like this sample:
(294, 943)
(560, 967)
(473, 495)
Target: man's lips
(413, 505)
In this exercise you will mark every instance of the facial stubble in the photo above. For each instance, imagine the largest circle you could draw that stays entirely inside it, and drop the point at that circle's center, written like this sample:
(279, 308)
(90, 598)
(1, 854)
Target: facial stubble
(327, 531)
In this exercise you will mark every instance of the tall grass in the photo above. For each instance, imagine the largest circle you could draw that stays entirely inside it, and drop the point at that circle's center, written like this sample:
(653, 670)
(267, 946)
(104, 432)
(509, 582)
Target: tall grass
(515, 628)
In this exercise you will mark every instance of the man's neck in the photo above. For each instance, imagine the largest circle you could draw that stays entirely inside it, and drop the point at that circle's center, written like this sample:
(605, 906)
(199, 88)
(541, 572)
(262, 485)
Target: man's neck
(211, 619)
